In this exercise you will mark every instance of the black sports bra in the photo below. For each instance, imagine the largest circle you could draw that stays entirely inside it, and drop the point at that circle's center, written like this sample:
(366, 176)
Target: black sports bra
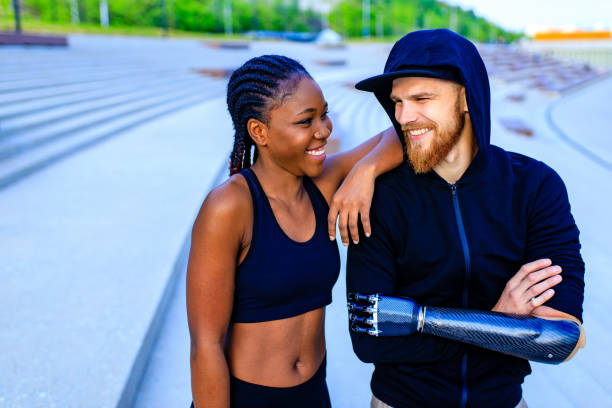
(279, 277)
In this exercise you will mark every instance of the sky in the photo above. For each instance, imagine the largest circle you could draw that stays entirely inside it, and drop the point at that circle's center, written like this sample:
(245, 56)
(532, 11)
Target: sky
(530, 15)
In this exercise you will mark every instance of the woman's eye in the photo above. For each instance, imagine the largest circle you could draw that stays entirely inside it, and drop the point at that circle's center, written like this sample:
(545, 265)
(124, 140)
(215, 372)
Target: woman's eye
(305, 121)
(325, 114)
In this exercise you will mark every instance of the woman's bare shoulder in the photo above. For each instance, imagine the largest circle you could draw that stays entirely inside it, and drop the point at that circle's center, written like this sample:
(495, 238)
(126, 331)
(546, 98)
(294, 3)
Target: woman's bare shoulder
(227, 205)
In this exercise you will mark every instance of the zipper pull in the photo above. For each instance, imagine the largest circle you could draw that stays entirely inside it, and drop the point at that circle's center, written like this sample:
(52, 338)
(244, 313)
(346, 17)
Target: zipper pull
(453, 189)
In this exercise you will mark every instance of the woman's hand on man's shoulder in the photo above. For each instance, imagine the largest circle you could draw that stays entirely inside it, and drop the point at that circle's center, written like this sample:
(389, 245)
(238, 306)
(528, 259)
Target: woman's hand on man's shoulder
(351, 204)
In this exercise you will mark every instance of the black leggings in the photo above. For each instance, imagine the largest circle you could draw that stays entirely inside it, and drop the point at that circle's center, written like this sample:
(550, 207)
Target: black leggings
(311, 394)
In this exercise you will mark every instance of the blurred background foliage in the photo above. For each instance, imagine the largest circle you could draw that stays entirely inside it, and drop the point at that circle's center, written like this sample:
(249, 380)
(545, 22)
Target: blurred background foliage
(387, 18)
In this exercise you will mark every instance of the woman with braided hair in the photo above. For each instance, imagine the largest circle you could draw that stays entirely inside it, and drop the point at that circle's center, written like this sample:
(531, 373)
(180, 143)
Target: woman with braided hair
(263, 259)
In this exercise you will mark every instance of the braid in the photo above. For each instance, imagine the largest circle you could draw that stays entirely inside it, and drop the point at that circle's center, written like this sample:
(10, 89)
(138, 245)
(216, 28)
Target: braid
(251, 92)
(247, 153)
(236, 155)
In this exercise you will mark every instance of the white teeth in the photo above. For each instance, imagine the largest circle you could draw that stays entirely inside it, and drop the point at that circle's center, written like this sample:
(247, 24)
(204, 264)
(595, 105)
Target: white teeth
(317, 152)
(417, 132)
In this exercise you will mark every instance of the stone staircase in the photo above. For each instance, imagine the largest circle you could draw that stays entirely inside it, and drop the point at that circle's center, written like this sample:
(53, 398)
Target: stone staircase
(50, 111)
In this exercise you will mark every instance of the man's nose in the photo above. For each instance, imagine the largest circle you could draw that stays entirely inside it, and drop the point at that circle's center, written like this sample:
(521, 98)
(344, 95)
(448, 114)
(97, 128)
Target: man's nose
(405, 114)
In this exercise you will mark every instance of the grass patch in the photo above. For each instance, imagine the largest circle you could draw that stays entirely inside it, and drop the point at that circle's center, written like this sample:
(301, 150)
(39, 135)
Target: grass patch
(32, 26)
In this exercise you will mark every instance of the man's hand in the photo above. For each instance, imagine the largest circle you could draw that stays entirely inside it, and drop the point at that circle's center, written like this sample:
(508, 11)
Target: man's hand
(530, 288)
(350, 203)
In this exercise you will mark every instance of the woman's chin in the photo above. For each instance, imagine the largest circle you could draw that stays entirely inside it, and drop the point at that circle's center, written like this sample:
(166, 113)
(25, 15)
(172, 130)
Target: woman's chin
(313, 170)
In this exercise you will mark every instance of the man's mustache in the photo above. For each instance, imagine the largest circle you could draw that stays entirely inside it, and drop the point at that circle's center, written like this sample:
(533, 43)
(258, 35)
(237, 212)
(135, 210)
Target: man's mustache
(415, 126)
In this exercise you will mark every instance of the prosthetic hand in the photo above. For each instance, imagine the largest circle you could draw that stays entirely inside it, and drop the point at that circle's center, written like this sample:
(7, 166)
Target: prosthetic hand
(528, 337)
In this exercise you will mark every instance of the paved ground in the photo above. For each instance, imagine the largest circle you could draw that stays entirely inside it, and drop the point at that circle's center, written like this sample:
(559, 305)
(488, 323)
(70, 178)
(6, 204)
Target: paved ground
(104, 162)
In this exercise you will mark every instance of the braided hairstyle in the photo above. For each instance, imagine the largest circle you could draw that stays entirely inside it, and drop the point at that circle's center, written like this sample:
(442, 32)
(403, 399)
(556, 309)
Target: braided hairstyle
(253, 91)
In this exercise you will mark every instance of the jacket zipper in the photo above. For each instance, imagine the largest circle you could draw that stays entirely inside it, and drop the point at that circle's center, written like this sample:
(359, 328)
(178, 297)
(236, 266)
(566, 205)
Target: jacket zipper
(464, 301)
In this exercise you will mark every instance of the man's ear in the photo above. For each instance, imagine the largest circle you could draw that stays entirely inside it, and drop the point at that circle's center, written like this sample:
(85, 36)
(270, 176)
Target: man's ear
(258, 131)
(463, 100)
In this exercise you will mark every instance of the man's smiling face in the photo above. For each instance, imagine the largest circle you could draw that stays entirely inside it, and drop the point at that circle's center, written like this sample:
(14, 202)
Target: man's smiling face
(431, 113)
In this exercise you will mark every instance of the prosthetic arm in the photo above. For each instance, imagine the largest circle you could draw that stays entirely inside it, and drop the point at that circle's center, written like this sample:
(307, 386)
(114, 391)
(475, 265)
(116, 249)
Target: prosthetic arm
(528, 337)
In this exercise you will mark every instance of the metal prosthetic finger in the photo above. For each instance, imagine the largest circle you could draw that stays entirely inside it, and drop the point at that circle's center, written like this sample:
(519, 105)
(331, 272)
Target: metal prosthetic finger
(354, 307)
(360, 298)
(363, 330)
(361, 320)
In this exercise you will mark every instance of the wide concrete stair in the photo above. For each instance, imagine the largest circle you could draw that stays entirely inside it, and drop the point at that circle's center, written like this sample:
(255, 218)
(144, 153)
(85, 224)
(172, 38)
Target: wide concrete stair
(107, 149)
(50, 113)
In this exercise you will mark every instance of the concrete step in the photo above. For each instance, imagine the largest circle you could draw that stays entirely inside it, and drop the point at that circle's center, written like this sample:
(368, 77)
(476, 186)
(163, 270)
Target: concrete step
(69, 68)
(35, 84)
(40, 136)
(51, 91)
(65, 110)
(19, 167)
(37, 104)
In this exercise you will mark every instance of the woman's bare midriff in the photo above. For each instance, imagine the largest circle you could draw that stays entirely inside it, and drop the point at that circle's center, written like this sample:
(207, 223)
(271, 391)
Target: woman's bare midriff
(278, 353)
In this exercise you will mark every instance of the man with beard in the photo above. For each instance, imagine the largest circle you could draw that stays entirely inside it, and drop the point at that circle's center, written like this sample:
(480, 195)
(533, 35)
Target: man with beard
(452, 226)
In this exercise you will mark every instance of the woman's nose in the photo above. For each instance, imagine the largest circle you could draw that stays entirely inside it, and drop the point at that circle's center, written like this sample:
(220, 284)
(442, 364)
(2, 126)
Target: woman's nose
(322, 133)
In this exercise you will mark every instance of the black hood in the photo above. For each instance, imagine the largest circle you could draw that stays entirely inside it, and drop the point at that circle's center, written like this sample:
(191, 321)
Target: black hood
(439, 51)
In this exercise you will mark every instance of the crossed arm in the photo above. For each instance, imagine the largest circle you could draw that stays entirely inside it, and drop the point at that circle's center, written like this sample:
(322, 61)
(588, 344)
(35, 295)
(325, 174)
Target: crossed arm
(537, 289)
(551, 339)
(518, 324)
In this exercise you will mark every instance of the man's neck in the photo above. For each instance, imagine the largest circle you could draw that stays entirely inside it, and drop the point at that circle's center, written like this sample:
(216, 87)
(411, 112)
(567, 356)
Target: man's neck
(457, 161)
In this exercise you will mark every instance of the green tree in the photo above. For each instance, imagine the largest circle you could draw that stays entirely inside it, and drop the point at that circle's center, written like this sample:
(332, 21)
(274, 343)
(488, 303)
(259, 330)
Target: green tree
(402, 16)
(392, 17)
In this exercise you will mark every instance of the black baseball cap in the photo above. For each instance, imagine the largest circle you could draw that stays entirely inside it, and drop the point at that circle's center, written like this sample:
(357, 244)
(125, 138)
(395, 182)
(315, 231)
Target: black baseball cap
(383, 81)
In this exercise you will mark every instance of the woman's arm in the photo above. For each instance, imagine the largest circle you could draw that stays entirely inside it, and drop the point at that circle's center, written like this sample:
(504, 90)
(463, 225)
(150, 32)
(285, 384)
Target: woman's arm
(216, 240)
(354, 171)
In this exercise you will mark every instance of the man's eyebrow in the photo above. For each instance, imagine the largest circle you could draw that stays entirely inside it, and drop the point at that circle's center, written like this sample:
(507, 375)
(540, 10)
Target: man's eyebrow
(309, 110)
(415, 95)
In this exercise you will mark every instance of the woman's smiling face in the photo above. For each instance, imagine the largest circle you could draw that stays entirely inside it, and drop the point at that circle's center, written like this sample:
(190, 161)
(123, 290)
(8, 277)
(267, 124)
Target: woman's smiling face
(298, 130)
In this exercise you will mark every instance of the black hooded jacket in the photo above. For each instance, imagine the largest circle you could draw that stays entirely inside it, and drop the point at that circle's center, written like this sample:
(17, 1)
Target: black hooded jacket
(457, 246)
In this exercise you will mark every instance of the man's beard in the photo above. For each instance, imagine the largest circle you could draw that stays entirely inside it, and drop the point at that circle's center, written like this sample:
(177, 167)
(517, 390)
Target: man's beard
(441, 144)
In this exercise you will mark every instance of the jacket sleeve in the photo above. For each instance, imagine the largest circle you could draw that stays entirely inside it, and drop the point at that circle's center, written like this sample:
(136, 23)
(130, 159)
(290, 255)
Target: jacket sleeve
(552, 233)
(371, 268)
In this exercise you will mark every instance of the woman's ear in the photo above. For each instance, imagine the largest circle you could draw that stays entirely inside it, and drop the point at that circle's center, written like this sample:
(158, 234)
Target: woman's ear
(258, 131)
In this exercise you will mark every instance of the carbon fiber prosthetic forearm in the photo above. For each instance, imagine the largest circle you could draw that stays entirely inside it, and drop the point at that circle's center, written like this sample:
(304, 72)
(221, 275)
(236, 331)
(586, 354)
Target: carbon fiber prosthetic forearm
(528, 337)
